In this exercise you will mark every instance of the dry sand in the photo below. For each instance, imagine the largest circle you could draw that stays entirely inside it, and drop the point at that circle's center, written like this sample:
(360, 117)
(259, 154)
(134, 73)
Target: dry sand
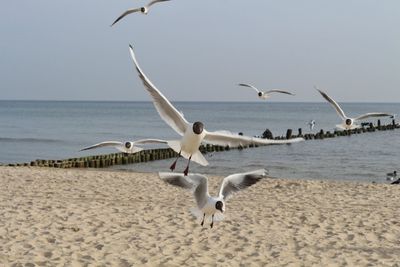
(55, 217)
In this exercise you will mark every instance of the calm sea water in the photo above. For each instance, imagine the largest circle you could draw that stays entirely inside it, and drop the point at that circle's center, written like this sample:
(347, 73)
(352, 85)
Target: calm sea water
(54, 130)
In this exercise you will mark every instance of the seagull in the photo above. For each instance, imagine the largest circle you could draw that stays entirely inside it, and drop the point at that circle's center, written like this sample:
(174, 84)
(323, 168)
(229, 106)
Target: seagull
(144, 10)
(207, 205)
(391, 176)
(193, 134)
(349, 123)
(126, 147)
(266, 94)
(311, 124)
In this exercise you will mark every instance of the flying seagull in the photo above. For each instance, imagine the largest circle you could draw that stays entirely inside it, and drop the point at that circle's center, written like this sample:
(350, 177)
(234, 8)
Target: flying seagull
(126, 147)
(266, 94)
(206, 204)
(194, 133)
(143, 9)
(349, 123)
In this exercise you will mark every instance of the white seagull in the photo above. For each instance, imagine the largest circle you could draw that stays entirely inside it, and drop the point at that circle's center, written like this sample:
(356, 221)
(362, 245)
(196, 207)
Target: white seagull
(206, 204)
(349, 123)
(311, 124)
(126, 147)
(194, 133)
(266, 94)
(143, 9)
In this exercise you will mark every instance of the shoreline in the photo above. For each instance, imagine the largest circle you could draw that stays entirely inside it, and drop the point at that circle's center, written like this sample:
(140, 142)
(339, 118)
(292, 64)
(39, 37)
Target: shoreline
(82, 217)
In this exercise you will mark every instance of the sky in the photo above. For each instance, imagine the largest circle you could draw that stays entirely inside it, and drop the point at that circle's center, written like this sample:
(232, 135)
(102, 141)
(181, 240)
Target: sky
(199, 50)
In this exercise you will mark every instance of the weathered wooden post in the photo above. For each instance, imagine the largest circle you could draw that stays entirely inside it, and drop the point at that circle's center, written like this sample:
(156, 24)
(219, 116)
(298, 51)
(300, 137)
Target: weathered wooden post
(289, 133)
(300, 132)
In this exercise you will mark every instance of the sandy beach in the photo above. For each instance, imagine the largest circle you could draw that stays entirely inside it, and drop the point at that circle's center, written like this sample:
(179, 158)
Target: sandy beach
(58, 217)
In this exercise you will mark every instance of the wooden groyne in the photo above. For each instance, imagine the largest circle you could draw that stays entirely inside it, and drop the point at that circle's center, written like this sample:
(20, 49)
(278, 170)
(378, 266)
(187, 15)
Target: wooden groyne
(107, 160)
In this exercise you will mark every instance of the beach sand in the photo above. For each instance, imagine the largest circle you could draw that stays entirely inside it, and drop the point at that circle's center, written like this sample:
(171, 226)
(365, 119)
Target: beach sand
(62, 217)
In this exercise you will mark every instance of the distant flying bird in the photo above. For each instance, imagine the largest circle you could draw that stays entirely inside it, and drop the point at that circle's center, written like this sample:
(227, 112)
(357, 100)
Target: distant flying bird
(349, 123)
(144, 10)
(207, 205)
(126, 147)
(194, 133)
(265, 94)
(311, 124)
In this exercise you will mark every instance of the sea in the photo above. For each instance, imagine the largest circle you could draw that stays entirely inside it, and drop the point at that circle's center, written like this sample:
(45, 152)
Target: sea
(32, 130)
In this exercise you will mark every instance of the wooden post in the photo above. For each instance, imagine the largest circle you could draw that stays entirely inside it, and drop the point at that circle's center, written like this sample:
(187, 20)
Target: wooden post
(288, 133)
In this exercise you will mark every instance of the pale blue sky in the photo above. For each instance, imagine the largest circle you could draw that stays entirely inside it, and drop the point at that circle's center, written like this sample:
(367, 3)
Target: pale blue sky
(199, 50)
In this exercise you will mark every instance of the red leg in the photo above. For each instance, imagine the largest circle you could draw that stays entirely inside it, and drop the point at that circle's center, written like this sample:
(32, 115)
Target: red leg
(172, 168)
(186, 171)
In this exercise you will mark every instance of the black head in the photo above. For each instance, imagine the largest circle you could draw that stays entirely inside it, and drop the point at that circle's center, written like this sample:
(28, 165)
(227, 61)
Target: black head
(128, 145)
(198, 127)
(219, 206)
(395, 172)
(348, 121)
(143, 9)
(259, 94)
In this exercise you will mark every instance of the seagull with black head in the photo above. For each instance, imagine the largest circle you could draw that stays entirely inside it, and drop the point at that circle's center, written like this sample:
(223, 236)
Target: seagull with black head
(207, 205)
(193, 134)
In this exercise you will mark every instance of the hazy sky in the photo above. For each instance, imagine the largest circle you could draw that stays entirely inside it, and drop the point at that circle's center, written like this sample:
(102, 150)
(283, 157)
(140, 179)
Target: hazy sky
(200, 49)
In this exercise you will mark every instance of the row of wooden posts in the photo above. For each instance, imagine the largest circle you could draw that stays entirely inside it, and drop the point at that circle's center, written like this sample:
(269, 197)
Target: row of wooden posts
(107, 160)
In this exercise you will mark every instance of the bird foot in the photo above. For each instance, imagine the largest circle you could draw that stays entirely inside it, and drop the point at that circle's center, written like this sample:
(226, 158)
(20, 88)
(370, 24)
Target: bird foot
(186, 171)
(202, 222)
(172, 168)
(212, 224)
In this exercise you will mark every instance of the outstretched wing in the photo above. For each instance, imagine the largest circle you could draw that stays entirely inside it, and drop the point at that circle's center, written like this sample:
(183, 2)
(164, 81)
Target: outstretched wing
(165, 109)
(149, 141)
(103, 144)
(333, 103)
(373, 114)
(236, 182)
(129, 11)
(224, 138)
(195, 182)
(250, 86)
(279, 91)
(155, 1)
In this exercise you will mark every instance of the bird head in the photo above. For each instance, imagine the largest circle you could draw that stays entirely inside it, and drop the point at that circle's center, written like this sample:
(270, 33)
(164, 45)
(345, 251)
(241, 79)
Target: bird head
(128, 145)
(219, 205)
(349, 122)
(198, 127)
(260, 94)
(144, 10)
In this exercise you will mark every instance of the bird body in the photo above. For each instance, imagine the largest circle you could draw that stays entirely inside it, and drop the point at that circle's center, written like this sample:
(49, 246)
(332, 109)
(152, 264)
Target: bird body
(311, 124)
(209, 206)
(347, 122)
(391, 176)
(193, 134)
(265, 94)
(126, 147)
(144, 10)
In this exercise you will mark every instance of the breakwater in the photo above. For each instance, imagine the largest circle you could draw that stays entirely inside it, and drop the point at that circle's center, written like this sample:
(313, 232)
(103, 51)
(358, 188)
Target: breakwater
(107, 160)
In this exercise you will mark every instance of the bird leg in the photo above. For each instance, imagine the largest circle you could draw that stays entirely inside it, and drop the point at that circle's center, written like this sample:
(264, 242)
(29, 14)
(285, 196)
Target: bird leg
(172, 168)
(185, 172)
(202, 221)
(212, 221)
